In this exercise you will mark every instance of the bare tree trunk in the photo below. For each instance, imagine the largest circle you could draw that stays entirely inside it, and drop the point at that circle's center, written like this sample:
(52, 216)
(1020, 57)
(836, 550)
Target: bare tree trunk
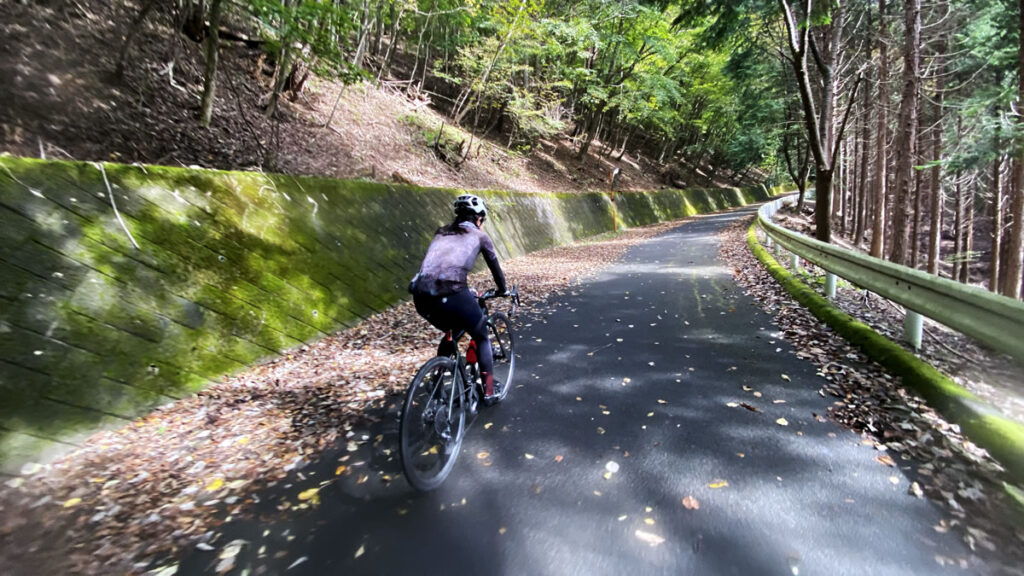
(210, 75)
(862, 184)
(937, 200)
(462, 103)
(284, 65)
(958, 227)
(1015, 256)
(389, 56)
(839, 192)
(882, 102)
(363, 39)
(906, 143)
(133, 29)
(965, 271)
(915, 234)
(997, 217)
(822, 138)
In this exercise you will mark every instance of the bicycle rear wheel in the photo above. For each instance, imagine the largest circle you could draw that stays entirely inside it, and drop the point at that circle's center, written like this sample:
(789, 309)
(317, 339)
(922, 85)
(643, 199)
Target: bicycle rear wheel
(503, 348)
(433, 424)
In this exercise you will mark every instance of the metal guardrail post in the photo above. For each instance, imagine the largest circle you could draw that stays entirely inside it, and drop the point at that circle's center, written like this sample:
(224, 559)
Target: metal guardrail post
(794, 262)
(913, 325)
(830, 286)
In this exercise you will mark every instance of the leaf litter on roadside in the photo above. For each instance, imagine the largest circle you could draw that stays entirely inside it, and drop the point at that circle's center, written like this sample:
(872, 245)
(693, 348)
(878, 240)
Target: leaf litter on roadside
(249, 432)
(950, 470)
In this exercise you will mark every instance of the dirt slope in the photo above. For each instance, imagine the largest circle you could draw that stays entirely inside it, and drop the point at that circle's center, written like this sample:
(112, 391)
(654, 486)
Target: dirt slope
(60, 98)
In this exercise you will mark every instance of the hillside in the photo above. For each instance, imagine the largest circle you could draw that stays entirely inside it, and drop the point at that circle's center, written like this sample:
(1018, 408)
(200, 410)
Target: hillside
(62, 99)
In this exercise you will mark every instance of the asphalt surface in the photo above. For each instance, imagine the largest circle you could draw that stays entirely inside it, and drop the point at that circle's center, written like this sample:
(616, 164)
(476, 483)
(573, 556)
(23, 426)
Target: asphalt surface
(636, 367)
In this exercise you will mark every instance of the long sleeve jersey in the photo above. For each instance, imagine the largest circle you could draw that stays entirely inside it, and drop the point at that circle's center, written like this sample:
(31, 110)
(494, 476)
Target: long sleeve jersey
(449, 260)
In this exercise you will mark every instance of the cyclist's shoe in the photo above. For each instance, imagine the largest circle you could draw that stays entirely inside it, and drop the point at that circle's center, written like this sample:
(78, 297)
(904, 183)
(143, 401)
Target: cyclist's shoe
(496, 389)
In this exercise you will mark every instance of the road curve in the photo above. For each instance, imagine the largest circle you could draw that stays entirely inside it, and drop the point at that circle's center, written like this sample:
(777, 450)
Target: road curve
(629, 399)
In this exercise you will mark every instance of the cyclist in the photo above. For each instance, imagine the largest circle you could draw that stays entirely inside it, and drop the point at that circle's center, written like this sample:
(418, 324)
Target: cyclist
(440, 289)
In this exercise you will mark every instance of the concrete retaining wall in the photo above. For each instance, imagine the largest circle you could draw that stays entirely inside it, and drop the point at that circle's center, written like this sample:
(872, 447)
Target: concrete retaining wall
(230, 268)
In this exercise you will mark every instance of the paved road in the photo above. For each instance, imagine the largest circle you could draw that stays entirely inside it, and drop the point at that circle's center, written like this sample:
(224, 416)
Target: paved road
(635, 367)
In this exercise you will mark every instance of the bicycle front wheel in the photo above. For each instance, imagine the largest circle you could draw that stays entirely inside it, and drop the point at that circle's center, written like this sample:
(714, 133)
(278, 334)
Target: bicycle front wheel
(433, 424)
(503, 348)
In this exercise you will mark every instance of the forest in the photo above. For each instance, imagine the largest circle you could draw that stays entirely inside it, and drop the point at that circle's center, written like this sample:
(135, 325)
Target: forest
(902, 116)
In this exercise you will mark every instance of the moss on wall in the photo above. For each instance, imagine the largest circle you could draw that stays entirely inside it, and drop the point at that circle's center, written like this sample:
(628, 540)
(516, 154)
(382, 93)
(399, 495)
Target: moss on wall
(230, 268)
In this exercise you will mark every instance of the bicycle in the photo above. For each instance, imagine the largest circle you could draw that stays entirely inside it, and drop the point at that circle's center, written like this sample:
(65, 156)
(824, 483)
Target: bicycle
(445, 390)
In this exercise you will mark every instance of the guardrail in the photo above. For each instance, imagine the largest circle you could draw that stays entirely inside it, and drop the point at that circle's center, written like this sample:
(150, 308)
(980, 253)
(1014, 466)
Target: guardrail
(994, 320)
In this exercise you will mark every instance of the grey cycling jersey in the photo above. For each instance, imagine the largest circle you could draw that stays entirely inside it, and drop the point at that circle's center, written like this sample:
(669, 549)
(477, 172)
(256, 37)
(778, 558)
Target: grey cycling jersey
(449, 260)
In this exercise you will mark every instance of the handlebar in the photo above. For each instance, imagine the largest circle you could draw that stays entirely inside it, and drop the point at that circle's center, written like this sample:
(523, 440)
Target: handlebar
(513, 294)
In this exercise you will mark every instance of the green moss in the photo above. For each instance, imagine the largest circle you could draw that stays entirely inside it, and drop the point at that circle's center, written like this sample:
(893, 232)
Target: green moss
(231, 267)
(1003, 438)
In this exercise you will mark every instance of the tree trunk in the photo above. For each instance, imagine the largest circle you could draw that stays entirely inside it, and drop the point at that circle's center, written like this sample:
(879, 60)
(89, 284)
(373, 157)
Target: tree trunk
(958, 227)
(363, 36)
(906, 143)
(862, 184)
(997, 217)
(284, 65)
(839, 192)
(881, 132)
(133, 29)
(822, 222)
(1015, 255)
(937, 201)
(210, 75)
(915, 233)
(968, 251)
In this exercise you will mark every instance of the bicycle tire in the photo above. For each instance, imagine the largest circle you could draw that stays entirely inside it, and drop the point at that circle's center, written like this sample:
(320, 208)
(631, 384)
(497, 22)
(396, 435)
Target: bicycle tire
(433, 406)
(499, 329)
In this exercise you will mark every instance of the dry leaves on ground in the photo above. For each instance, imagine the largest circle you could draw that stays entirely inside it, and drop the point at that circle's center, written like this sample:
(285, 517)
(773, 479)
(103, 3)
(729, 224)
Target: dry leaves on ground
(167, 481)
(944, 465)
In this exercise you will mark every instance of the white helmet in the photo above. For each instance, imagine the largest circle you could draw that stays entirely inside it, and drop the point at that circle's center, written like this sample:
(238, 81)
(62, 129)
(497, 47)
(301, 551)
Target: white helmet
(469, 205)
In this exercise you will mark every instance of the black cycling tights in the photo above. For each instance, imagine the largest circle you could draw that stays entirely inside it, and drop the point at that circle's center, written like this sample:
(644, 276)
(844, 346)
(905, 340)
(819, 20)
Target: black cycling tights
(458, 311)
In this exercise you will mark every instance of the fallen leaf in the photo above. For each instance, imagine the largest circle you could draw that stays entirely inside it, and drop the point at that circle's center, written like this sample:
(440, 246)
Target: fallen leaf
(215, 485)
(502, 530)
(612, 466)
(72, 502)
(660, 401)
(558, 458)
(649, 521)
(488, 425)
(732, 404)
(652, 539)
(482, 455)
(915, 489)
(310, 494)
(600, 430)
(719, 484)
(786, 378)
(782, 422)
(297, 562)
(886, 459)
(894, 479)
(750, 407)
(528, 456)
(340, 469)
(361, 551)
(691, 503)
